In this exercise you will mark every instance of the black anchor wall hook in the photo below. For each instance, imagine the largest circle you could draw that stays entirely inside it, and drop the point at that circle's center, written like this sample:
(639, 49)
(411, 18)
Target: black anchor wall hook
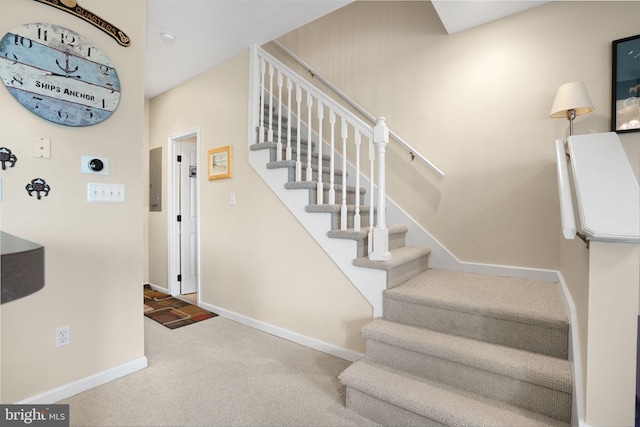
(6, 156)
(38, 185)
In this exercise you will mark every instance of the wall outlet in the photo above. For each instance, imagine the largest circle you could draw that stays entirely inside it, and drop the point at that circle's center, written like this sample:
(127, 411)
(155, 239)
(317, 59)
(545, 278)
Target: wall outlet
(63, 336)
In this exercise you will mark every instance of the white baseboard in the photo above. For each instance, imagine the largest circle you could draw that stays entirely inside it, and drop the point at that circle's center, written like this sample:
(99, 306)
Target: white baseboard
(159, 288)
(295, 337)
(71, 389)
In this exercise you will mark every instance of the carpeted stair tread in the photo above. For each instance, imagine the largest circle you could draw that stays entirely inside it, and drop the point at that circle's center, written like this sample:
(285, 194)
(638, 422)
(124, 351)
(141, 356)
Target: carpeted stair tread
(364, 232)
(291, 166)
(399, 257)
(520, 300)
(438, 402)
(269, 145)
(334, 208)
(546, 371)
(312, 185)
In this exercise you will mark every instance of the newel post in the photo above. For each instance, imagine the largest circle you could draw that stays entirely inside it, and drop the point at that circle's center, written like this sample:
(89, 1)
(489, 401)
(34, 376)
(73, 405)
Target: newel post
(381, 232)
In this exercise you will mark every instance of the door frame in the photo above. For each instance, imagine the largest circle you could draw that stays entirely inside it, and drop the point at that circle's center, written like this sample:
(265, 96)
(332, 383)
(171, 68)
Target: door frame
(173, 204)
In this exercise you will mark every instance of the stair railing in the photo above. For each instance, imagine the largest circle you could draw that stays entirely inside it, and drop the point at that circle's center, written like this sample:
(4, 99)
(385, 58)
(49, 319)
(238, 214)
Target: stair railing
(412, 151)
(349, 126)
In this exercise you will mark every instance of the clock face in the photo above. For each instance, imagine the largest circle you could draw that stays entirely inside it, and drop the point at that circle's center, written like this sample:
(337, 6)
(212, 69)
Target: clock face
(58, 74)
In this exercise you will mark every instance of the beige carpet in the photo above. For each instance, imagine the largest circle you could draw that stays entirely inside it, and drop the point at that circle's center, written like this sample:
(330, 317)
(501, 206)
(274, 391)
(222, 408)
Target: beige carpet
(221, 373)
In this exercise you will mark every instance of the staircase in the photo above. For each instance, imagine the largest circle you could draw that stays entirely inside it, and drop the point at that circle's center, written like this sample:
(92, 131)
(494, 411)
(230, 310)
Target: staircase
(462, 349)
(405, 262)
(447, 348)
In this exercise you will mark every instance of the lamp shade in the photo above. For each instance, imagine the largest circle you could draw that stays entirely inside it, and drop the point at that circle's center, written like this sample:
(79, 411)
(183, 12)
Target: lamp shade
(571, 96)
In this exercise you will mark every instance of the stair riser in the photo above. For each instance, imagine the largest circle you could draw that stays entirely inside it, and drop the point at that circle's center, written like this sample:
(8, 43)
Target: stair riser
(383, 412)
(284, 138)
(350, 196)
(535, 338)
(406, 271)
(314, 176)
(395, 241)
(304, 158)
(536, 398)
(335, 220)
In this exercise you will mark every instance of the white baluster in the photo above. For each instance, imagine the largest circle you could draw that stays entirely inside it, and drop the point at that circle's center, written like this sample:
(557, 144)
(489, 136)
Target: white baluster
(289, 86)
(279, 131)
(381, 232)
(372, 161)
(263, 69)
(298, 135)
(309, 145)
(332, 190)
(320, 187)
(356, 215)
(343, 207)
(270, 132)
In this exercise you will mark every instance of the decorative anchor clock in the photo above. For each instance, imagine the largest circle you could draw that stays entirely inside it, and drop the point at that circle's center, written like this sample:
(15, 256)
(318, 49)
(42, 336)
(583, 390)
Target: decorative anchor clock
(58, 74)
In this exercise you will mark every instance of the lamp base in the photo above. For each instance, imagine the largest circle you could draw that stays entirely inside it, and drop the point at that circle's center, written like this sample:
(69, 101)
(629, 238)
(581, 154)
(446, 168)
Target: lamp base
(571, 115)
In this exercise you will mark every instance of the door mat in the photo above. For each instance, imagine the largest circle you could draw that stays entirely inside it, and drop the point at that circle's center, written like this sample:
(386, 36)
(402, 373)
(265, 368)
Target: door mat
(172, 312)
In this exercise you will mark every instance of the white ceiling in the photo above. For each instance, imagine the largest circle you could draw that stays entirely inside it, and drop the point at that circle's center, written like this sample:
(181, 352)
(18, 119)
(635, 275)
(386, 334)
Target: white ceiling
(208, 32)
(460, 15)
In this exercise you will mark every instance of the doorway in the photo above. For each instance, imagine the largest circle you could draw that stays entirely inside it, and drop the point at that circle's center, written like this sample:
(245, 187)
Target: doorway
(184, 215)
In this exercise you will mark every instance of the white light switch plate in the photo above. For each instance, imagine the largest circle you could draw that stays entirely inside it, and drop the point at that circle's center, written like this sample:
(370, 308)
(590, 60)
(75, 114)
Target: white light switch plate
(105, 193)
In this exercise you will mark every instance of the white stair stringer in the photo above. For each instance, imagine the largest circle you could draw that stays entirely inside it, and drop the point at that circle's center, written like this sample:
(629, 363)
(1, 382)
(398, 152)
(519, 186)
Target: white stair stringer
(370, 282)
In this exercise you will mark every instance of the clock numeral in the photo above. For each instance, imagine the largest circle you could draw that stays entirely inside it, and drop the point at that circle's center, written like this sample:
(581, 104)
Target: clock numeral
(17, 80)
(37, 103)
(43, 34)
(11, 57)
(66, 38)
(23, 41)
(63, 114)
(89, 114)
(105, 69)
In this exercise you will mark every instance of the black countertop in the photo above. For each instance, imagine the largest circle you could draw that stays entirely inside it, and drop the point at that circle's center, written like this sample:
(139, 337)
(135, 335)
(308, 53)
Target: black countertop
(22, 267)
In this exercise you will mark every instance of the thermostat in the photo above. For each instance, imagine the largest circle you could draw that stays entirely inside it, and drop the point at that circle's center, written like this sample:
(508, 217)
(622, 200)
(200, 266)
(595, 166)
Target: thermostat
(94, 165)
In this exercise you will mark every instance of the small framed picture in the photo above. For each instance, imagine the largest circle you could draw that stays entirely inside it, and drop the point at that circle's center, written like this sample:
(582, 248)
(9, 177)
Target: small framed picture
(625, 92)
(219, 163)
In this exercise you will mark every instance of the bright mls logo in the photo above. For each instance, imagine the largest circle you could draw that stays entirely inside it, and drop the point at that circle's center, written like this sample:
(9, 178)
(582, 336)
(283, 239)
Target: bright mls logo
(34, 415)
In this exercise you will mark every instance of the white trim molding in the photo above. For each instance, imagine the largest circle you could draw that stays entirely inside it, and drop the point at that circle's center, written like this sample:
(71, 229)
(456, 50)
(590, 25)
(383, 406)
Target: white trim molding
(286, 334)
(84, 384)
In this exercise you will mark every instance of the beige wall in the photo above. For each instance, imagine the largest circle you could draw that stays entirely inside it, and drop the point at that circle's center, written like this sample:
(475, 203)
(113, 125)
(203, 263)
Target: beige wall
(477, 104)
(257, 261)
(93, 252)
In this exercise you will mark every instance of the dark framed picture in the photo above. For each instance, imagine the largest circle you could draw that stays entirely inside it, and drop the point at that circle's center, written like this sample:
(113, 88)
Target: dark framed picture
(625, 92)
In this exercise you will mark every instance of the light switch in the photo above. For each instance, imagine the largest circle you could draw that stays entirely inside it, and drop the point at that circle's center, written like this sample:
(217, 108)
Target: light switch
(105, 193)
(41, 148)
(232, 199)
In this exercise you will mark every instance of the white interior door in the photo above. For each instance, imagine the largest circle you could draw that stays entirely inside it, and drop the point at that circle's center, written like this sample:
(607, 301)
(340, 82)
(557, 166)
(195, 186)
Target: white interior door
(188, 215)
